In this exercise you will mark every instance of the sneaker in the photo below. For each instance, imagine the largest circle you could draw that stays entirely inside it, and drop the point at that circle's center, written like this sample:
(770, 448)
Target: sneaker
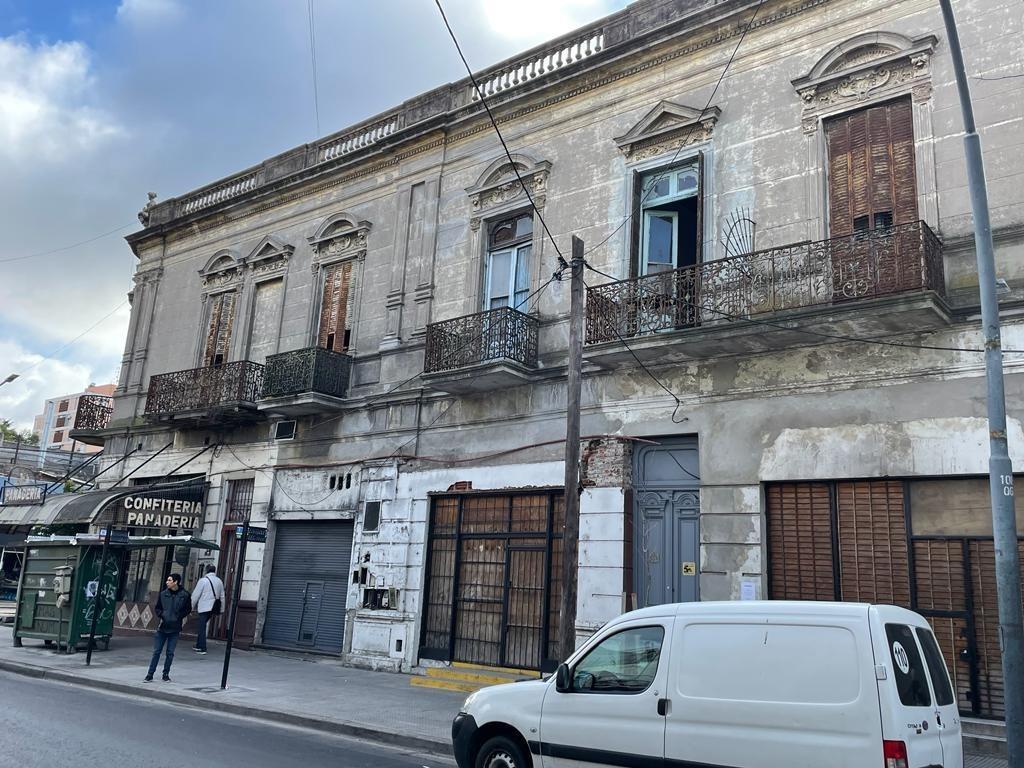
(148, 679)
(201, 653)
(166, 678)
(195, 649)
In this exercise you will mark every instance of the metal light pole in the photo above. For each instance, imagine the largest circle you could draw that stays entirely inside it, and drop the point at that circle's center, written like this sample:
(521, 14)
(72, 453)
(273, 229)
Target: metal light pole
(239, 572)
(1004, 523)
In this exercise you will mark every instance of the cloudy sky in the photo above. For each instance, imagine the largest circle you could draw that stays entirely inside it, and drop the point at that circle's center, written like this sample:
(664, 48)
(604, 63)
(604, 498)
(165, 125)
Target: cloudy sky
(102, 101)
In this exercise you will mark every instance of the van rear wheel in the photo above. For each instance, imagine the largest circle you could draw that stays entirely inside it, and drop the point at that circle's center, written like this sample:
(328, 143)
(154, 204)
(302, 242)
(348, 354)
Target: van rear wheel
(501, 752)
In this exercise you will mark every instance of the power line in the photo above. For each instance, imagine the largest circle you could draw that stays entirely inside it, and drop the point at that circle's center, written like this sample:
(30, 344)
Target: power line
(312, 57)
(822, 334)
(79, 336)
(490, 116)
(682, 143)
(66, 247)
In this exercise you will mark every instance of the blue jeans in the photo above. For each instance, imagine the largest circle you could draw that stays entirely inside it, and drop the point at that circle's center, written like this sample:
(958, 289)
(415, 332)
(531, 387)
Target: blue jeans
(201, 620)
(161, 637)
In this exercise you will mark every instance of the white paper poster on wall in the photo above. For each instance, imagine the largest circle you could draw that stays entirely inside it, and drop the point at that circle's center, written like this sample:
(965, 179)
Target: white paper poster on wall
(748, 590)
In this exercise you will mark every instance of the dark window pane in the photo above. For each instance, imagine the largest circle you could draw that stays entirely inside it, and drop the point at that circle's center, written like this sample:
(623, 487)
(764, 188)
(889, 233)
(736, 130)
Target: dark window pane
(371, 516)
(625, 662)
(936, 668)
(909, 669)
(503, 232)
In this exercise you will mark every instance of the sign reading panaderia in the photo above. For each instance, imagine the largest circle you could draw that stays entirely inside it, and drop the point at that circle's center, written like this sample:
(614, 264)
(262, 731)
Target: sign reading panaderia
(149, 512)
(24, 494)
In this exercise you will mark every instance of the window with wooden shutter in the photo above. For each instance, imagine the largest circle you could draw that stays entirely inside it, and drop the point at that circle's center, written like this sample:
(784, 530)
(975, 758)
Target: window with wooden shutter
(218, 334)
(874, 564)
(872, 176)
(800, 556)
(336, 307)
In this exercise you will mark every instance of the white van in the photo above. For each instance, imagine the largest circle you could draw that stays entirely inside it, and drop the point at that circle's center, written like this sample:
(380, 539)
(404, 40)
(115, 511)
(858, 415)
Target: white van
(739, 684)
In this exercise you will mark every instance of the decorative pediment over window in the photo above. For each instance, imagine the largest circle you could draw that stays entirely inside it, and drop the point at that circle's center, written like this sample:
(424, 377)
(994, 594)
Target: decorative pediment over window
(271, 255)
(225, 267)
(872, 65)
(668, 127)
(341, 236)
(499, 189)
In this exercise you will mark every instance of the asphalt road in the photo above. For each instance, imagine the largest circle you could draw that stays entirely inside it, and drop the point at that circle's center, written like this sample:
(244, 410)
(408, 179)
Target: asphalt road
(45, 724)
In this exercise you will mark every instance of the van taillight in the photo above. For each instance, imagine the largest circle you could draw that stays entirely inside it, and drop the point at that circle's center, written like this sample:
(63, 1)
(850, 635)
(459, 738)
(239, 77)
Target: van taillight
(895, 753)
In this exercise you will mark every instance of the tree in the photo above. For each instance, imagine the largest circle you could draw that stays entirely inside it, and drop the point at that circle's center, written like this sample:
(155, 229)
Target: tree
(9, 433)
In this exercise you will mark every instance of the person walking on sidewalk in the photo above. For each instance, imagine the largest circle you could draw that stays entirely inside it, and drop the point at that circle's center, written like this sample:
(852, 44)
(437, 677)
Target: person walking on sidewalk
(207, 600)
(172, 606)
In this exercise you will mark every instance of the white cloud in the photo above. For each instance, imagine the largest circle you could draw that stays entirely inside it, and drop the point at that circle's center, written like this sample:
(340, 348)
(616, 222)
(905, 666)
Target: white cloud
(44, 102)
(148, 11)
(534, 20)
(23, 398)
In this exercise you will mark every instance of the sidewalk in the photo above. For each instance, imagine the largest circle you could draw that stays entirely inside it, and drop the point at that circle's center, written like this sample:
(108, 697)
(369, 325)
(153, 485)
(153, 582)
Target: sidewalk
(313, 692)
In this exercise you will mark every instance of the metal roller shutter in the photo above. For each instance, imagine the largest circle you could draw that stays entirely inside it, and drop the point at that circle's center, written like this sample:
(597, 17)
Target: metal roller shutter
(309, 586)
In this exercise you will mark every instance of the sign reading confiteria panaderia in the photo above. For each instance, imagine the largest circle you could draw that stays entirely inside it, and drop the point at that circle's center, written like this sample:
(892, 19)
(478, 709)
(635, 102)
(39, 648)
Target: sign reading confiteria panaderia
(148, 512)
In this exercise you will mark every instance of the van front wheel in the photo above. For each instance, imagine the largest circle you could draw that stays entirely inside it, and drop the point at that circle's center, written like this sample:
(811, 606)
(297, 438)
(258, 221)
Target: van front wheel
(500, 752)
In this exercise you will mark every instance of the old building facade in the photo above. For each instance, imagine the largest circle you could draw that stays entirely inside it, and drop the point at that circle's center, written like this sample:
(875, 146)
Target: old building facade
(358, 345)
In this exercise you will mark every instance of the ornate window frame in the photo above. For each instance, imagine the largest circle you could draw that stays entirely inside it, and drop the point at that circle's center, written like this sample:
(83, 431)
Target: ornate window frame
(267, 261)
(864, 70)
(224, 272)
(669, 135)
(340, 237)
(498, 194)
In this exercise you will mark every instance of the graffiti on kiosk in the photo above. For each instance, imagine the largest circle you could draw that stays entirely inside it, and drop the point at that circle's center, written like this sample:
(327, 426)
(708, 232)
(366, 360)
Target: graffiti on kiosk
(162, 513)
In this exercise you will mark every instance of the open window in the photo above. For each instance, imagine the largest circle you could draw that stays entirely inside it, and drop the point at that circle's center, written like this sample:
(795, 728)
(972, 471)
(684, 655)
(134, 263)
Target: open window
(218, 331)
(670, 211)
(509, 248)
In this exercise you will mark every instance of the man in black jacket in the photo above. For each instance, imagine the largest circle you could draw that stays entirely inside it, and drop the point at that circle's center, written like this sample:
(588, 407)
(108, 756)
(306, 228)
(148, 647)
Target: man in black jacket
(172, 606)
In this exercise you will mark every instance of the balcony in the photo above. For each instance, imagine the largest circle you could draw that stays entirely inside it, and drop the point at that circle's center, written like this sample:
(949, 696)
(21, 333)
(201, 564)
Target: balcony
(92, 415)
(489, 350)
(203, 396)
(305, 381)
(870, 284)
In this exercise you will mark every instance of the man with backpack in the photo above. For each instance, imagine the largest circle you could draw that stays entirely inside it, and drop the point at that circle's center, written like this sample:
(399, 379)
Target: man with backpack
(207, 599)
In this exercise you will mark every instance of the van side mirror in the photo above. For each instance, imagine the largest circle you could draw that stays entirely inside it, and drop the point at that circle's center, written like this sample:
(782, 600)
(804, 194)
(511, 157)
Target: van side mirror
(563, 681)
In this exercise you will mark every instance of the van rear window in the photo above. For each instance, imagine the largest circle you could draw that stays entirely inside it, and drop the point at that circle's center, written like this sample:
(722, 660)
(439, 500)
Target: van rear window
(911, 677)
(936, 667)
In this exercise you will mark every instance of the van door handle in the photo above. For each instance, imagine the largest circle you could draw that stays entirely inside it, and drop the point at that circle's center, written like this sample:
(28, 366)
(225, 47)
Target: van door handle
(663, 707)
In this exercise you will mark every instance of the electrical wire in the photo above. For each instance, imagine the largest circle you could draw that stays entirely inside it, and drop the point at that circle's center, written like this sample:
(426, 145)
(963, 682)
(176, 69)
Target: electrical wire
(312, 57)
(66, 247)
(494, 123)
(57, 351)
(822, 334)
(682, 143)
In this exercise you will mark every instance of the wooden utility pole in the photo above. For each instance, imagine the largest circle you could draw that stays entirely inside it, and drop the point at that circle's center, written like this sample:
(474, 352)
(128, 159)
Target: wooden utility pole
(571, 528)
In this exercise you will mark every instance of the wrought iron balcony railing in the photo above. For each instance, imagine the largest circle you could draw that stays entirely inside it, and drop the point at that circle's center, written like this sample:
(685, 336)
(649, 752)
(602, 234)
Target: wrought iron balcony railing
(897, 259)
(309, 370)
(93, 412)
(498, 334)
(201, 389)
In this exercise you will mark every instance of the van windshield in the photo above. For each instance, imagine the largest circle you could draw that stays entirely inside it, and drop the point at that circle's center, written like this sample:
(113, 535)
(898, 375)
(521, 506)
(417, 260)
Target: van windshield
(911, 677)
(936, 668)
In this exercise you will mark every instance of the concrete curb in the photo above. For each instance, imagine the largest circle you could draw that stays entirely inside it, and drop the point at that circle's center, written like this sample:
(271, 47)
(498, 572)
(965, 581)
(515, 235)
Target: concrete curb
(441, 748)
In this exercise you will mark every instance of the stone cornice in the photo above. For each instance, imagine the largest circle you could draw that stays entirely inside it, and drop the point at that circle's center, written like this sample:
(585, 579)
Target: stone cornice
(630, 33)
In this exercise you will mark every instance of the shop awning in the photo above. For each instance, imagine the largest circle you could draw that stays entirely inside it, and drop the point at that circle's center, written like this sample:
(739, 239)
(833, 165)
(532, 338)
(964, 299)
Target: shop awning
(84, 508)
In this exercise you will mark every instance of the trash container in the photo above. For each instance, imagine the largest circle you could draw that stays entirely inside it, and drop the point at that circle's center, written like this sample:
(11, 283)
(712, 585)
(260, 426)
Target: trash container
(57, 591)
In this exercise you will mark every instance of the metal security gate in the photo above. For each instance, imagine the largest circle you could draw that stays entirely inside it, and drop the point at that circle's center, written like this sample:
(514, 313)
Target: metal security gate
(309, 586)
(955, 589)
(852, 540)
(494, 579)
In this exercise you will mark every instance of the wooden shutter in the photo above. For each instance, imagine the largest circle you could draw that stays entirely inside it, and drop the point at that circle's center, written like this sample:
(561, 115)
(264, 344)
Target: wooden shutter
(218, 334)
(335, 307)
(872, 170)
(800, 557)
(873, 561)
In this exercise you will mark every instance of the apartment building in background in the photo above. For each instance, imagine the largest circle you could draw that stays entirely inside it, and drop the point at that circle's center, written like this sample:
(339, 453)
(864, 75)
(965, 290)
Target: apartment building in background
(90, 409)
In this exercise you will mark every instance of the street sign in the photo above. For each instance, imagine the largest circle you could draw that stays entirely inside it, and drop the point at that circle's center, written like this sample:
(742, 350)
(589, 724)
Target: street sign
(256, 535)
(117, 536)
